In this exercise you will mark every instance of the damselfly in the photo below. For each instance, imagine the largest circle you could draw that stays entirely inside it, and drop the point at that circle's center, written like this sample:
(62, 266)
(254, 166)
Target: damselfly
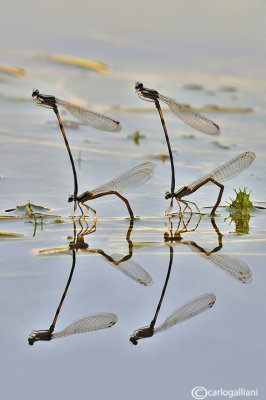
(89, 323)
(190, 117)
(182, 313)
(90, 118)
(226, 171)
(128, 180)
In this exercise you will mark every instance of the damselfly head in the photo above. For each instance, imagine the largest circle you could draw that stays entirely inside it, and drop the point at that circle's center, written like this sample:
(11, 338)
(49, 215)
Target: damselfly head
(141, 333)
(35, 336)
(35, 93)
(168, 195)
(145, 93)
(71, 198)
(36, 97)
(139, 86)
(133, 340)
(42, 99)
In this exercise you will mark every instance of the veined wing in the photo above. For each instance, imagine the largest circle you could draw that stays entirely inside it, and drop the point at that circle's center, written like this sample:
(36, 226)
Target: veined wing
(90, 323)
(235, 267)
(190, 117)
(131, 269)
(90, 118)
(188, 310)
(128, 180)
(228, 170)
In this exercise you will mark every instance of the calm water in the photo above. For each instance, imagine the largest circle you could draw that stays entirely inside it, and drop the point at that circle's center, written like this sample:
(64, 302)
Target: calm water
(183, 43)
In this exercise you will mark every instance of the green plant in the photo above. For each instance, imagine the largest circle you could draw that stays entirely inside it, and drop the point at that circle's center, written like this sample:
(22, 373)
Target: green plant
(241, 203)
(239, 209)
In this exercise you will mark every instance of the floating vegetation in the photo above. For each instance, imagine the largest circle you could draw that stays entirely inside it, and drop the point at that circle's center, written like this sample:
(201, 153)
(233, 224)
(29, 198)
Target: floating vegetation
(75, 61)
(189, 136)
(28, 209)
(79, 159)
(241, 203)
(228, 89)
(210, 93)
(221, 146)
(193, 86)
(9, 234)
(58, 221)
(205, 108)
(136, 136)
(161, 156)
(6, 79)
(214, 107)
(239, 209)
(10, 70)
(14, 99)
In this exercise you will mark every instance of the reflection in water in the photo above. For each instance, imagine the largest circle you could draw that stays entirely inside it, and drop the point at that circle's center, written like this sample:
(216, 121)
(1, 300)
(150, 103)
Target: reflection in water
(235, 267)
(89, 323)
(241, 221)
(130, 268)
(186, 311)
(124, 264)
(239, 209)
(86, 324)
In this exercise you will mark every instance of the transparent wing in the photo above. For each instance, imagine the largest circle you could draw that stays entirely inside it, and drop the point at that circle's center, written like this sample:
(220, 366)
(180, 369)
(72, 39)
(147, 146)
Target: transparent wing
(188, 310)
(90, 118)
(128, 180)
(235, 267)
(87, 324)
(228, 170)
(131, 269)
(191, 118)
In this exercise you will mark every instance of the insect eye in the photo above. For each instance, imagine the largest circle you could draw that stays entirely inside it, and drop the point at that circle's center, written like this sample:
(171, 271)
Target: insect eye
(35, 93)
(138, 86)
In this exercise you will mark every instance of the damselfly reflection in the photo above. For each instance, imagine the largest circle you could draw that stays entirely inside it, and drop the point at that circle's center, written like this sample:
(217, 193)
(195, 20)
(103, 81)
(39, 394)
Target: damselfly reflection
(191, 118)
(234, 266)
(130, 179)
(224, 172)
(131, 269)
(77, 240)
(90, 118)
(89, 323)
(181, 314)
(86, 324)
(188, 310)
(123, 263)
